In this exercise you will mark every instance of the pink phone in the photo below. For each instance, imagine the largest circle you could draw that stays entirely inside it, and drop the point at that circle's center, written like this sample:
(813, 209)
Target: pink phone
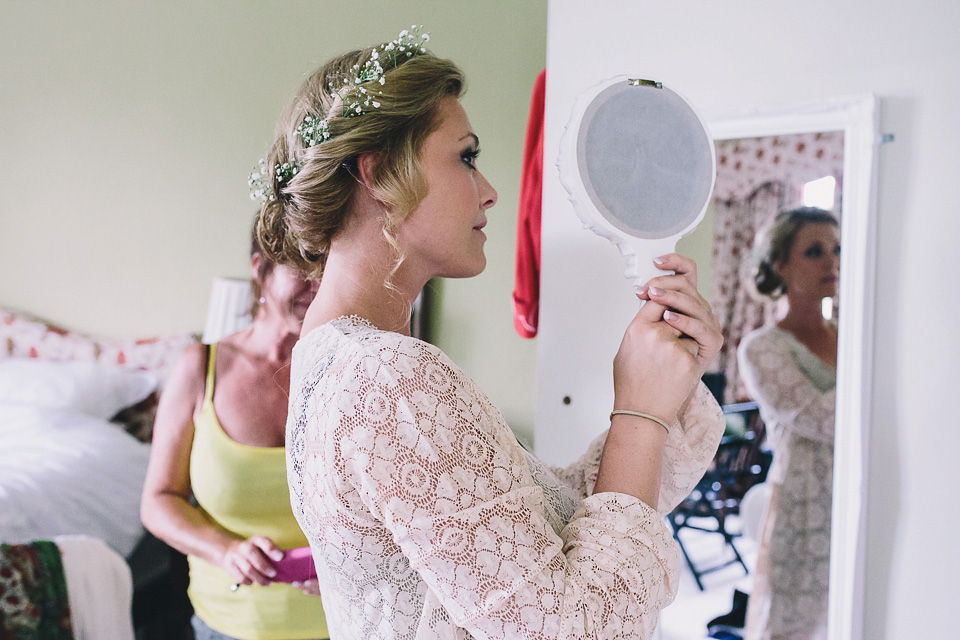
(295, 566)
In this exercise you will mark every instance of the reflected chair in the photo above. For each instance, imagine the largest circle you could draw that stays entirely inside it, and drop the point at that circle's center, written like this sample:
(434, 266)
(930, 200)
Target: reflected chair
(740, 463)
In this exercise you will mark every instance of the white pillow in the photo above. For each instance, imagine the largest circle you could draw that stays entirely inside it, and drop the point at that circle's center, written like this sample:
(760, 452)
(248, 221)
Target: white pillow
(63, 472)
(95, 389)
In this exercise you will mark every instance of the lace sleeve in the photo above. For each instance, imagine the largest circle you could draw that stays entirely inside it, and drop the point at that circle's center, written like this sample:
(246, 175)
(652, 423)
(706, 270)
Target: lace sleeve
(785, 395)
(689, 449)
(433, 461)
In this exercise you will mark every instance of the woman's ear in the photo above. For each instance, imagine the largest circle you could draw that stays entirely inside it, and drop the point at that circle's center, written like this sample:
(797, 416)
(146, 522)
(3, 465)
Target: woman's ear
(366, 167)
(256, 261)
(777, 268)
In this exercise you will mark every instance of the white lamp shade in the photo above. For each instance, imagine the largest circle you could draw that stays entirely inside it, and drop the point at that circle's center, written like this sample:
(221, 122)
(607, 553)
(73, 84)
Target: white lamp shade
(229, 310)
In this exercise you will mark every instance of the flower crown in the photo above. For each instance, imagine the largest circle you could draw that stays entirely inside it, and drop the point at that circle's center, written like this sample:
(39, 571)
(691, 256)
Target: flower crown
(356, 100)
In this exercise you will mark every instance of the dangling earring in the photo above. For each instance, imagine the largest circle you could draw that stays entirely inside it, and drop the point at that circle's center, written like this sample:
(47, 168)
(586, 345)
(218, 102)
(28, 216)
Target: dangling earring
(261, 300)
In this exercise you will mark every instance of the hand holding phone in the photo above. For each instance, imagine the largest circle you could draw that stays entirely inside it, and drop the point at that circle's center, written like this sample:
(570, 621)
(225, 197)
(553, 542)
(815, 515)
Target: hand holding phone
(295, 566)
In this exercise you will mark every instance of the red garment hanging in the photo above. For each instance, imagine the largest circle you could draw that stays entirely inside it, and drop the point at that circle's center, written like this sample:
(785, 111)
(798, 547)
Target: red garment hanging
(526, 292)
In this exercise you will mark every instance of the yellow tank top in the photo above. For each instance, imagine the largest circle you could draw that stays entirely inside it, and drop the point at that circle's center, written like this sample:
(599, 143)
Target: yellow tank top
(244, 490)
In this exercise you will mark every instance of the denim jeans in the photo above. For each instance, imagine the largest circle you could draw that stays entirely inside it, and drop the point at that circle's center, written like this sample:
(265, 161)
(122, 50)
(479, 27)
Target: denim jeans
(202, 632)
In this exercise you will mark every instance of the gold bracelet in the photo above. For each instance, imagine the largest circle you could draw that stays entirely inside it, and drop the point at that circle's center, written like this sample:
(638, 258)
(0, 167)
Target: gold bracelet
(637, 414)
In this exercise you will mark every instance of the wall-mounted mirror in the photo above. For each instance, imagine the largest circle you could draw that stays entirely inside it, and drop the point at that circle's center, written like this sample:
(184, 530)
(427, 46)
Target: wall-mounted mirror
(765, 158)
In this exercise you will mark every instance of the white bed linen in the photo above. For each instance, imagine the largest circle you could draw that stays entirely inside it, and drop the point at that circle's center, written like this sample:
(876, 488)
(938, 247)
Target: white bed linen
(64, 473)
(99, 588)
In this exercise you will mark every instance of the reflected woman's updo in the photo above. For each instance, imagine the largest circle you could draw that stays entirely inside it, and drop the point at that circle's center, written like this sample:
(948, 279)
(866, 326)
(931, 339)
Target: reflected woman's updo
(311, 186)
(773, 245)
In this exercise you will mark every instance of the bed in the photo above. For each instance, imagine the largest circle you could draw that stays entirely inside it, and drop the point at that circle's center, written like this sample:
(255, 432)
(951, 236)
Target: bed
(76, 419)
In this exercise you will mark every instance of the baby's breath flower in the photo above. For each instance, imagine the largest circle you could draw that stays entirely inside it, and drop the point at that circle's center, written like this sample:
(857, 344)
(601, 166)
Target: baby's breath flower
(313, 131)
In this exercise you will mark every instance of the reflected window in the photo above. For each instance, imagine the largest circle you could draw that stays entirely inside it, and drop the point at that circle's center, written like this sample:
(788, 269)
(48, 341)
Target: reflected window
(820, 193)
(826, 308)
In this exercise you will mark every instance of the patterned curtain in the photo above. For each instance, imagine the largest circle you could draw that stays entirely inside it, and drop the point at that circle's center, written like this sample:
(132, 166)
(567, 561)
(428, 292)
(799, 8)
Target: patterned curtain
(756, 178)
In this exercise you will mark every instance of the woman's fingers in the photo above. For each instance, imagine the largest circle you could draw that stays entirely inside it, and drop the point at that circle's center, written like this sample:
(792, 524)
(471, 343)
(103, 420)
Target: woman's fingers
(682, 307)
(250, 560)
(266, 545)
(704, 340)
(693, 317)
(310, 587)
(679, 264)
(651, 311)
(680, 301)
(262, 551)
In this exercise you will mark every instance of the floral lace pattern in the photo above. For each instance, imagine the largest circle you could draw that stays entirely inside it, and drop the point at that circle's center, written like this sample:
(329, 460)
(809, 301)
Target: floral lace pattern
(427, 519)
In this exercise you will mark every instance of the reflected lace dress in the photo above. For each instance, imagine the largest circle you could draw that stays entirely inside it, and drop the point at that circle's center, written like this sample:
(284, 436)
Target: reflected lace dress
(427, 519)
(796, 392)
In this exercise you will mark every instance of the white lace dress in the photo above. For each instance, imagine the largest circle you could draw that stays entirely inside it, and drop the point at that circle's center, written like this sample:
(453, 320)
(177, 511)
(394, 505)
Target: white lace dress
(427, 519)
(796, 392)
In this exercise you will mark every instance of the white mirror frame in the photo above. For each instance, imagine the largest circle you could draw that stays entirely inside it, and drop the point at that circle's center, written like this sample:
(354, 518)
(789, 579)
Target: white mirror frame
(857, 116)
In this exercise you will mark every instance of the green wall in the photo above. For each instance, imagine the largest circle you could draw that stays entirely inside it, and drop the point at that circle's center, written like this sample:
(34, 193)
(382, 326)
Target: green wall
(128, 129)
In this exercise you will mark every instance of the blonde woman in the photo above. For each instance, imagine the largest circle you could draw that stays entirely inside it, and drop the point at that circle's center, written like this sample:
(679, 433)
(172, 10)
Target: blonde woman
(789, 368)
(426, 517)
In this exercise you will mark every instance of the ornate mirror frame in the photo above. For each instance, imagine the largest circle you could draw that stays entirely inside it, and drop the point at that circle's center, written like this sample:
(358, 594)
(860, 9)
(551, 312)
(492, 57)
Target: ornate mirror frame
(857, 116)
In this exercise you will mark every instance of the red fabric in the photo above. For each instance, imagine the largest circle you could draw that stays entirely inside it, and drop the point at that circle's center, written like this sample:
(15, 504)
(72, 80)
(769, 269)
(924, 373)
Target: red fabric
(526, 291)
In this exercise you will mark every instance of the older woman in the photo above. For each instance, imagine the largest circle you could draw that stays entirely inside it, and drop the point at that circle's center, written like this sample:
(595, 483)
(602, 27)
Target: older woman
(216, 487)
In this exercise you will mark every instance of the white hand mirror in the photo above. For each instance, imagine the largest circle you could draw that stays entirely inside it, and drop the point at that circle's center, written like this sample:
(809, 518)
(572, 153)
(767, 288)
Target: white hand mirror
(639, 165)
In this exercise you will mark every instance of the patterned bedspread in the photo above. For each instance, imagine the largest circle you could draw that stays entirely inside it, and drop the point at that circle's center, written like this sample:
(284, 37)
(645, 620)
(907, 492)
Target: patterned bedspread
(33, 593)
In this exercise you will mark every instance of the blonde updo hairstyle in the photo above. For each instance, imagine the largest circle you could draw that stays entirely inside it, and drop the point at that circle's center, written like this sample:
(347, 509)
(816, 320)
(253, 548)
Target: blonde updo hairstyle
(773, 245)
(296, 227)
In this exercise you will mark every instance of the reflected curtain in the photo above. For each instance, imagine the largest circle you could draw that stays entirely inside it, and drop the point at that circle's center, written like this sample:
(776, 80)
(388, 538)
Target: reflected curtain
(756, 178)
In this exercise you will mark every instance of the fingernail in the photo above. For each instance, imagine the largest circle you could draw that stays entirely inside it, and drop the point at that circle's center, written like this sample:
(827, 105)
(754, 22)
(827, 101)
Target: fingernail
(654, 291)
(271, 573)
(659, 260)
(277, 555)
(642, 289)
(666, 314)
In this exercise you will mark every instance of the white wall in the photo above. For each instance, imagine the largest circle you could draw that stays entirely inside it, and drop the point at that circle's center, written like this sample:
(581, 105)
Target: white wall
(128, 130)
(732, 54)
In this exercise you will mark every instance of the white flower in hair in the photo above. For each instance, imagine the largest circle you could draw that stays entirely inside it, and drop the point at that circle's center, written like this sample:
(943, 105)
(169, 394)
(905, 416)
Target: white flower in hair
(355, 98)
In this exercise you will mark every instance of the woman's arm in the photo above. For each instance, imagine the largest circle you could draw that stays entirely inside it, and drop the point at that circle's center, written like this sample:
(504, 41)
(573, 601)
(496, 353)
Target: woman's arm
(687, 453)
(166, 509)
(664, 351)
(785, 395)
(438, 467)
(432, 461)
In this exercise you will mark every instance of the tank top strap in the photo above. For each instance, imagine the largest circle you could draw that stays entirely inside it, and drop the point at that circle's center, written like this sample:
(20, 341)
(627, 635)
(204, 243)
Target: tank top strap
(211, 370)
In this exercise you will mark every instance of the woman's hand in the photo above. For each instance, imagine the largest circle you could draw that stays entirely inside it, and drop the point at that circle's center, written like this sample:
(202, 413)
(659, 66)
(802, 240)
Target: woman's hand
(248, 561)
(310, 587)
(694, 317)
(668, 345)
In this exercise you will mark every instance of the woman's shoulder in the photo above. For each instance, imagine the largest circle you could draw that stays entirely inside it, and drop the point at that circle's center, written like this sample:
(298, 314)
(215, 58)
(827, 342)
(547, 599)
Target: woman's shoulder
(764, 334)
(191, 366)
(187, 380)
(354, 338)
(762, 340)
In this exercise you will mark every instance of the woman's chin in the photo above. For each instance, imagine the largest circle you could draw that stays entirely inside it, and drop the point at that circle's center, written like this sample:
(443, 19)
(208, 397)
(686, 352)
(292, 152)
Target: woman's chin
(475, 268)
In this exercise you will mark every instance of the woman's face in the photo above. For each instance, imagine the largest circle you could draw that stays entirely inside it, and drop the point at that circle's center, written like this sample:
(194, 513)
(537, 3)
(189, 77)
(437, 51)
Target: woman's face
(286, 294)
(444, 235)
(812, 267)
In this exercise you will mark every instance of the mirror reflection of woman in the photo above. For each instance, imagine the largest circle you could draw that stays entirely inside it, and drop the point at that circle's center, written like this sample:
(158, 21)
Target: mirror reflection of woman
(790, 370)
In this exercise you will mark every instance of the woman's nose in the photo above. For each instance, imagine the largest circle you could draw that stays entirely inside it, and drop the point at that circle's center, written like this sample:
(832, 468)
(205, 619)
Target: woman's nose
(488, 195)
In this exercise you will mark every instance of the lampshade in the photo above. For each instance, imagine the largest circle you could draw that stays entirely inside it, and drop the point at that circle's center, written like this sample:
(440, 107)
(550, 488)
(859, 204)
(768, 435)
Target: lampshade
(229, 310)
